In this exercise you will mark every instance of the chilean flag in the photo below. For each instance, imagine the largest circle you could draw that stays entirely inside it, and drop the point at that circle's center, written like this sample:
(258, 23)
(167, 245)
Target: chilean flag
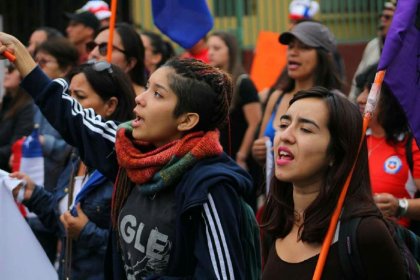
(32, 161)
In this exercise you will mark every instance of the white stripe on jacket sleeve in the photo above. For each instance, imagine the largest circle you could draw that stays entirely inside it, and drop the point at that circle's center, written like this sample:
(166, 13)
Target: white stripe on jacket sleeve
(219, 252)
(94, 123)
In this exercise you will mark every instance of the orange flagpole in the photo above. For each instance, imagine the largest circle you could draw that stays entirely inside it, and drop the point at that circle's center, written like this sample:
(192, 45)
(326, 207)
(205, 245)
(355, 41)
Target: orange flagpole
(369, 109)
(9, 56)
(111, 30)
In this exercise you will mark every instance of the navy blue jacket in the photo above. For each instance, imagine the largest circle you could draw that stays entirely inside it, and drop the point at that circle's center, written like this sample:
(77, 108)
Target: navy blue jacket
(208, 212)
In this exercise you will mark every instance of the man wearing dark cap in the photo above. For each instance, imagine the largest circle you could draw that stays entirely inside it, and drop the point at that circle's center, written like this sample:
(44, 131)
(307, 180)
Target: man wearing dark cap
(81, 29)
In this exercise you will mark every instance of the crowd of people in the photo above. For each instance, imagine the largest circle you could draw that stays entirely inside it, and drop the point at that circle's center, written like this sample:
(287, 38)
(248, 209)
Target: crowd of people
(154, 161)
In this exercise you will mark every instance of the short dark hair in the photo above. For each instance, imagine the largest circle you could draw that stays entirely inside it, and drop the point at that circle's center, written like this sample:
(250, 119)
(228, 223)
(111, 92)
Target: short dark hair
(202, 89)
(345, 126)
(50, 32)
(62, 50)
(111, 83)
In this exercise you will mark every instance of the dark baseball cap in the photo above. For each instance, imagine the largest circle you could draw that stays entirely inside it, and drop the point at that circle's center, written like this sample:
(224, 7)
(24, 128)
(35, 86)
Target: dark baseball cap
(85, 18)
(312, 34)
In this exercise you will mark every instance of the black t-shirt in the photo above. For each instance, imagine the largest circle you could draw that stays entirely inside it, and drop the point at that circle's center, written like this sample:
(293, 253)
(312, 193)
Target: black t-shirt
(246, 93)
(379, 254)
(276, 268)
(147, 232)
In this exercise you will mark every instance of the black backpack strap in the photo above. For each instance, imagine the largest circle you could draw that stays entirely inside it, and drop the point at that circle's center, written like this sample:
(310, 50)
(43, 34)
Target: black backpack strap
(250, 239)
(348, 251)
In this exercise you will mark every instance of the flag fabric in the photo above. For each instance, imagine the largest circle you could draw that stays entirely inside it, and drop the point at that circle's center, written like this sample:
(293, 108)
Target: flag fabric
(267, 51)
(269, 165)
(401, 60)
(21, 255)
(32, 162)
(7, 181)
(184, 21)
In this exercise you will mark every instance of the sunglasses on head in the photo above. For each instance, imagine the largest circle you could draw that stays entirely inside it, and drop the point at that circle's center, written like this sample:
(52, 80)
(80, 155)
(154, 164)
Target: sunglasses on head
(102, 47)
(102, 66)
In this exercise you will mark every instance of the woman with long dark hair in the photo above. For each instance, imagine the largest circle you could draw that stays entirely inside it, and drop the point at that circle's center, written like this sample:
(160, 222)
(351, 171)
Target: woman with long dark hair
(127, 52)
(315, 149)
(309, 63)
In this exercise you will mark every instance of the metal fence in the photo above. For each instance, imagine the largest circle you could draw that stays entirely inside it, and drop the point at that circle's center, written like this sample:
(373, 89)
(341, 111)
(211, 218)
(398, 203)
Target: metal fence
(350, 20)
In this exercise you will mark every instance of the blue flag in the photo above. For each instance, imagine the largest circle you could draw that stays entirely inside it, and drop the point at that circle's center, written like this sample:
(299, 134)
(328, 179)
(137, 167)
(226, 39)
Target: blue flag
(184, 21)
(401, 60)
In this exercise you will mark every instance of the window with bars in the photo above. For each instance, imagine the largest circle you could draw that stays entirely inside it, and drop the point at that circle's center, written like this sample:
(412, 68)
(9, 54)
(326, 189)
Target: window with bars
(228, 8)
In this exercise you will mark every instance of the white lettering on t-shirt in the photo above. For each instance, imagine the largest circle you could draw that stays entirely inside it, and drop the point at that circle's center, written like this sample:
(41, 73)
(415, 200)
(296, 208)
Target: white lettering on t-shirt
(154, 249)
(156, 243)
(128, 235)
(137, 244)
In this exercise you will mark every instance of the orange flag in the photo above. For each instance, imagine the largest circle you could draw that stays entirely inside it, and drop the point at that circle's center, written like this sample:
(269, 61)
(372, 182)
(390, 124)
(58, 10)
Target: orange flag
(269, 59)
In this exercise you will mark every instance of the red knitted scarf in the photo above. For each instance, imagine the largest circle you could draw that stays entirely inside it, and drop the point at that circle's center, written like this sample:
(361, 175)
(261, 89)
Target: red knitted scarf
(155, 169)
(141, 166)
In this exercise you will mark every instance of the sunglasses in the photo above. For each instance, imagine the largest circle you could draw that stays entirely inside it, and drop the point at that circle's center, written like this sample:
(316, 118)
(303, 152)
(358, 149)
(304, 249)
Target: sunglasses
(102, 47)
(386, 17)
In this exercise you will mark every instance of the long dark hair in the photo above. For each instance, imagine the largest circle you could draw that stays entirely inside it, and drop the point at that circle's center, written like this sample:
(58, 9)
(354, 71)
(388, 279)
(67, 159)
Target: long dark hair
(133, 49)
(345, 127)
(235, 67)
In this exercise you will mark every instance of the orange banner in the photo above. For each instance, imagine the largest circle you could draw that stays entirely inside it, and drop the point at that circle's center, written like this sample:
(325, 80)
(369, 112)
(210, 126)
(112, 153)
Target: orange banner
(269, 59)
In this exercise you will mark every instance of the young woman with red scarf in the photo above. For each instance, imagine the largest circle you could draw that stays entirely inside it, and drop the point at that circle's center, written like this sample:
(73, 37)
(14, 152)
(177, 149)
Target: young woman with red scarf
(176, 206)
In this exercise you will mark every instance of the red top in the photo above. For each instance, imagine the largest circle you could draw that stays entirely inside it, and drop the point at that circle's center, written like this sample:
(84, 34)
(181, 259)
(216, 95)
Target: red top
(389, 170)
